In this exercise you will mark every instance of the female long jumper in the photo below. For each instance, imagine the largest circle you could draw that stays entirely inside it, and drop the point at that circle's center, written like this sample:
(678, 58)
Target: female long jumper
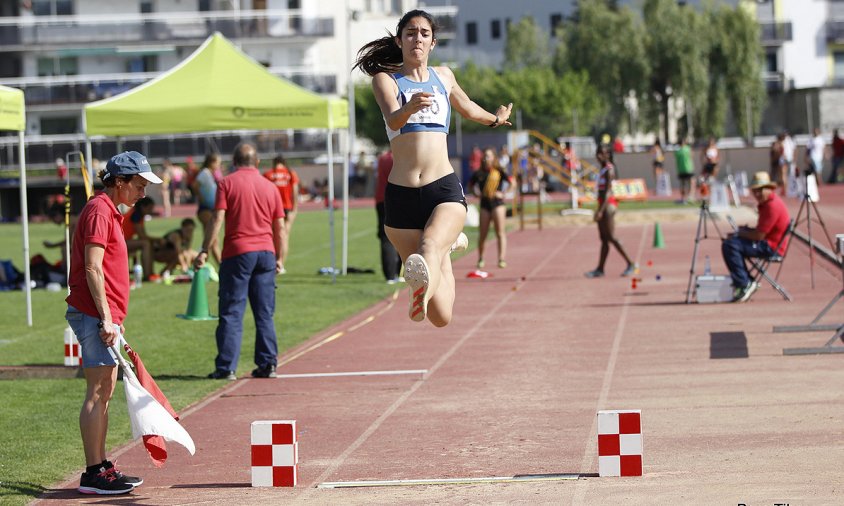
(424, 201)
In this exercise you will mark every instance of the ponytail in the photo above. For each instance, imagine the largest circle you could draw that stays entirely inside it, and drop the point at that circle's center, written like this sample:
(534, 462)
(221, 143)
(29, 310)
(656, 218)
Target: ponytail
(380, 55)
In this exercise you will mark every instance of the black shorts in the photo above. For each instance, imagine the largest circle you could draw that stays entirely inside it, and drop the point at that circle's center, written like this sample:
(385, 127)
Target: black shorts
(490, 204)
(412, 207)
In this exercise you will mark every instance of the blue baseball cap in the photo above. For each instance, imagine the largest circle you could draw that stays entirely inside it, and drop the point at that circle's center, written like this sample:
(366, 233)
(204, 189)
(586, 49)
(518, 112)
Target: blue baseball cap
(130, 163)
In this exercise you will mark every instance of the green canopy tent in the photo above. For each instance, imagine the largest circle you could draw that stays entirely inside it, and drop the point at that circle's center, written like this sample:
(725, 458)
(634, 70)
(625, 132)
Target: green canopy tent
(216, 88)
(13, 117)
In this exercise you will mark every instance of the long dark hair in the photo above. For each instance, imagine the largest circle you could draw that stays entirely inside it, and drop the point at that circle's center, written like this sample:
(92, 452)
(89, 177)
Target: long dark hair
(383, 55)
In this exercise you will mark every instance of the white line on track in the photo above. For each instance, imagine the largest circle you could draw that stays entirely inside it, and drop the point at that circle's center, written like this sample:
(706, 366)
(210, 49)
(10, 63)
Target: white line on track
(590, 452)
(353, 373)
(450, 481)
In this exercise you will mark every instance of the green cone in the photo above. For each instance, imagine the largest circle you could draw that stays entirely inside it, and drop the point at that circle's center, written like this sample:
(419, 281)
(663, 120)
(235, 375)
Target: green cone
(198, 299)
(659, 241)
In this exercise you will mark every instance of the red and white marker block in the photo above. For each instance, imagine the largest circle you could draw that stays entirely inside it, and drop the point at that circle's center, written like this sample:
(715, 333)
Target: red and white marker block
(275, 453)
(72, 351)
(620, 443)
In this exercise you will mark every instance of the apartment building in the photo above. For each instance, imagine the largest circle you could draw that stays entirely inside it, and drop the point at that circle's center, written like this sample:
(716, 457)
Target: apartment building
(66, 53)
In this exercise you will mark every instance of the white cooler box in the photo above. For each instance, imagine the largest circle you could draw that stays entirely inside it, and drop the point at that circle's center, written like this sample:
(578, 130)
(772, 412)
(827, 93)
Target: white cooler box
(710, 289)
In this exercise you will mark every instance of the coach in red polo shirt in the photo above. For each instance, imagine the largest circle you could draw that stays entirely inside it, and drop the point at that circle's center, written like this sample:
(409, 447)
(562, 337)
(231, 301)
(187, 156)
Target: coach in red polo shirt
(97, 305)
(251, 208)
(760, 241)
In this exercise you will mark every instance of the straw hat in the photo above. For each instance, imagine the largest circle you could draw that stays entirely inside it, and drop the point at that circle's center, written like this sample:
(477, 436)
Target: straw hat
(761, 180)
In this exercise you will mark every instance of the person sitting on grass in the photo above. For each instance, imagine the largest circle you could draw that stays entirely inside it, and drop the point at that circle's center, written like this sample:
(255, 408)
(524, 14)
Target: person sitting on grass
(177, 248)
(760, 241)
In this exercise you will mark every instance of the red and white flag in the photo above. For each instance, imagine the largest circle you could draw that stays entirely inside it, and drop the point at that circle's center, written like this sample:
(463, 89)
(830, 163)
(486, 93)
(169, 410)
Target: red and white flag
(150, 413)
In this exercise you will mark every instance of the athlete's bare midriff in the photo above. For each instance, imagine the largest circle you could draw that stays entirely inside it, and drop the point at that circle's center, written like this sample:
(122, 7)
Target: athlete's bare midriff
(419, 158)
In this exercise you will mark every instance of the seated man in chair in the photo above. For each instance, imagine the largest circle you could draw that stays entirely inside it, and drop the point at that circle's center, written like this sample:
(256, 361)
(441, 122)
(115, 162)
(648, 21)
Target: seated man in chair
(763, 241)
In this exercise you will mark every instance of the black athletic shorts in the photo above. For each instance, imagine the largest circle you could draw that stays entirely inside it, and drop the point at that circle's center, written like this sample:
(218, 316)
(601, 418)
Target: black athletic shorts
(412, 207)
(490, 204)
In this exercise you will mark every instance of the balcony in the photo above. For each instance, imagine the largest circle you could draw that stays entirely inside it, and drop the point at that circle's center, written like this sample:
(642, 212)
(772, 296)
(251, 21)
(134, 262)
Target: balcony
(77, 90)
(775, 34)
(17, 34)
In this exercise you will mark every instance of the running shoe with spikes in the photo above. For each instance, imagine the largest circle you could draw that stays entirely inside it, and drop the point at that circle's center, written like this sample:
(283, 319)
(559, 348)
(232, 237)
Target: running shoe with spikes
(416, 275)
(461, 243)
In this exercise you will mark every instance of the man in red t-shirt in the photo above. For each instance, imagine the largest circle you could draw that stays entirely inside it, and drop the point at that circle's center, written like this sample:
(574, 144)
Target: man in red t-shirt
(390, 259)
(252, 210)
(287, 182)
(762, 241)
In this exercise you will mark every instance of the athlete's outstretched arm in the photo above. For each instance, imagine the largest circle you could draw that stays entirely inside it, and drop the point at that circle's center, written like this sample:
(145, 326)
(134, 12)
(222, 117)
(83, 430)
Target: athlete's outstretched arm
(469, 109)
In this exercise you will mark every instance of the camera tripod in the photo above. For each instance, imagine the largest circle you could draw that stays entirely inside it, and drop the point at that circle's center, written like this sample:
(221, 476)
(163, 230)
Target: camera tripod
(808, 204)
(702, 226)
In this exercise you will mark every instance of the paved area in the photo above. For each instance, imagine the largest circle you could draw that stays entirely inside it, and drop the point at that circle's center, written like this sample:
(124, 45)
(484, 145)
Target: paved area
(512, 387)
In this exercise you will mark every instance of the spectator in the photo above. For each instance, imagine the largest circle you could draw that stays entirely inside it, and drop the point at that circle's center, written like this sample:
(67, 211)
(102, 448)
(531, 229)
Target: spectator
(253, 214)
(177, 183)
(287, 182)
(760, 241)
(96, 307)
(788, 149)
(390, 260)
(205, 188)
(137, 239)
(490, 183)
(815, 153)
(837, 156)
(685, 170)
(571, 162)
(475, 158)
(617, 145)
(56, 214)
(658, 155)
(177, 249)
(710, 158)
(167, 180)
(61, 169)
(779, 164)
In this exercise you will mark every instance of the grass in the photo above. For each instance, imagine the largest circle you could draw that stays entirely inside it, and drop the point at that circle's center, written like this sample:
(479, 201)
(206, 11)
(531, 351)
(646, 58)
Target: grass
(39, 435)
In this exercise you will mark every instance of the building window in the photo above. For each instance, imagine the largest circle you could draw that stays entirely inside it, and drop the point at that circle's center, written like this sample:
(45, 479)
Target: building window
(52, 7)
(471, 33)
(556, 21)
(771, 60)
(147, 7)
(495, 29)
(61, 125)
(838, 66)
(64, 66)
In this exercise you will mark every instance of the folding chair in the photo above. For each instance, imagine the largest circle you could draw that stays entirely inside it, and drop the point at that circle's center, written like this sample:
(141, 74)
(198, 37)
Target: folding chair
(758, 267)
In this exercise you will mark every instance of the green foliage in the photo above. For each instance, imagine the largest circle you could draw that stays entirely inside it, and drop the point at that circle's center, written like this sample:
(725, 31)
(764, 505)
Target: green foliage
(607, 44)
(369, 122)
(547, 101)
(526, 45)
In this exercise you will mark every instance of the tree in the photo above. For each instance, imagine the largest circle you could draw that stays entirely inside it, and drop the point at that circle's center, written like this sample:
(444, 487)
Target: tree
(607, 44)
(526, 46)
(736, 64)
(678, 61)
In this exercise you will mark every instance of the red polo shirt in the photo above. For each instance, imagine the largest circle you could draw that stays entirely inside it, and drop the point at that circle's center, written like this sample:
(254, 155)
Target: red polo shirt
(773, 222)
(252, 204)
(100, 223)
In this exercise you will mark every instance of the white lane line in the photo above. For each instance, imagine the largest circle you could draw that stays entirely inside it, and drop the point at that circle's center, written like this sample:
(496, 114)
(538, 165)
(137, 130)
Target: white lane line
(353, 373)
(590, 453)
(337, 462)
(452, 481)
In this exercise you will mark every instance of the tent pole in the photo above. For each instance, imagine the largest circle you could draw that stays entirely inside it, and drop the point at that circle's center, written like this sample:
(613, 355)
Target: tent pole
(25, 222)
(346, 161)
(90, 159)
(331, 201)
